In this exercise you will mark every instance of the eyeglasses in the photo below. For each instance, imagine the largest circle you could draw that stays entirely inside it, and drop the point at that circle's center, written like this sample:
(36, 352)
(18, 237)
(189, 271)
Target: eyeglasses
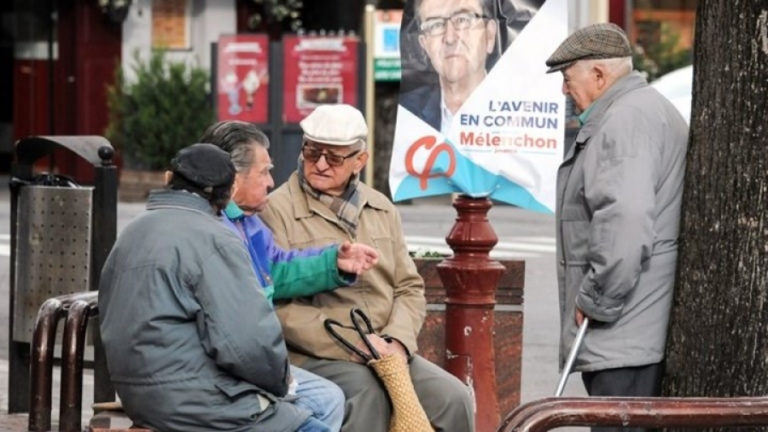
(313, 155)
(462, 20)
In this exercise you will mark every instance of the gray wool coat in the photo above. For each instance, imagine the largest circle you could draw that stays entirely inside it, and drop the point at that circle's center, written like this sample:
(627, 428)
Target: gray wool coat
(191, 345)
(619, 191)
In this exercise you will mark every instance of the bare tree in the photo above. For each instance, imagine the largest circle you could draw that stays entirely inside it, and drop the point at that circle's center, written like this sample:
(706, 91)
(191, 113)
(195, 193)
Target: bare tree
(718, 341)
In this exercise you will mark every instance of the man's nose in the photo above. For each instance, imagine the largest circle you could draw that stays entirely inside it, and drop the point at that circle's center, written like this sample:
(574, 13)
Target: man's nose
(270, 181)
(322, 163)
(451, 34)
(564, 89)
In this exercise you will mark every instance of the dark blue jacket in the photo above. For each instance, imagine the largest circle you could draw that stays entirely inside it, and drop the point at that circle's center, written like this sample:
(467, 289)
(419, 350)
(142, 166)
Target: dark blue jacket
(424, 102)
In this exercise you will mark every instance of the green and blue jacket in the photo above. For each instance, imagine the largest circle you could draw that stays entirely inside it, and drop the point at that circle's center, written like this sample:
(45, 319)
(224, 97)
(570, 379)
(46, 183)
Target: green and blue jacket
(285, 274)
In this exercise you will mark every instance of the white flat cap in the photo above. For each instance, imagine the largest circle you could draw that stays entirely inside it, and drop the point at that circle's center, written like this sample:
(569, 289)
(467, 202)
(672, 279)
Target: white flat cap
(335, 124)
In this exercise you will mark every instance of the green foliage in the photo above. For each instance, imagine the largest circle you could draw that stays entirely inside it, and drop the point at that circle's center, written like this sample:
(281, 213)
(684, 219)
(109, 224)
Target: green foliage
(283, 13)
(662, 55)
(423, 253)
(166, 108)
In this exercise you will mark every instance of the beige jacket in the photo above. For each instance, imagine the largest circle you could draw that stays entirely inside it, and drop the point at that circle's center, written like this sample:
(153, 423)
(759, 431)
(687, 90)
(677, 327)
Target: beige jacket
(391, 294)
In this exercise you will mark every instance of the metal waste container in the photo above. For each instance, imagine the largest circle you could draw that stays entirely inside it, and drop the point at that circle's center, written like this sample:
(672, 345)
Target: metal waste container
(61, 234)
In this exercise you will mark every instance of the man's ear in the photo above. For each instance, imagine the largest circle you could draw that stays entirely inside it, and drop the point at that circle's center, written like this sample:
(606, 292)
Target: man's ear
(167, 177)
(360, 162)
(491, 28)
(422, 41)
(236, 184)
(600, 75)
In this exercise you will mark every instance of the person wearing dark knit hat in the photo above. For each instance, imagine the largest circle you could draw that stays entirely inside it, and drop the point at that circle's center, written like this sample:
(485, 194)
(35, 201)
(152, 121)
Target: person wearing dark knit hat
(190, 344)
(325, 201)
(619, 192)
(203, 169)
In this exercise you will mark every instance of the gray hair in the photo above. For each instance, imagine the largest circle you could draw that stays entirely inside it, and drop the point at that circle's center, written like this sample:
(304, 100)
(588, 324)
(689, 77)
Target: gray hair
(236, 138)
(616, 66)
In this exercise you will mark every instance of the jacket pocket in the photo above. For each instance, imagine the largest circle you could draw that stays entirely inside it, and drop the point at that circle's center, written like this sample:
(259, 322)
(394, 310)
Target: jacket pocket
(236, 390)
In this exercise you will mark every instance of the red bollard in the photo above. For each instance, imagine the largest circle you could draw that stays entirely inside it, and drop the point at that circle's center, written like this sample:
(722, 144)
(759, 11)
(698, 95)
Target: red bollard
(470, 278)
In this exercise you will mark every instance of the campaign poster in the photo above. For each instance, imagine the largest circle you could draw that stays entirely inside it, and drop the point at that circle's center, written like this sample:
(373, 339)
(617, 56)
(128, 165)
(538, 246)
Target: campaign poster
(242, 78)
(477, 113)
(318, 70)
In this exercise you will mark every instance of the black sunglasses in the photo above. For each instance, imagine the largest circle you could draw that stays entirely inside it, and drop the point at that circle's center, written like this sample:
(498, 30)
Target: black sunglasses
(313, 154)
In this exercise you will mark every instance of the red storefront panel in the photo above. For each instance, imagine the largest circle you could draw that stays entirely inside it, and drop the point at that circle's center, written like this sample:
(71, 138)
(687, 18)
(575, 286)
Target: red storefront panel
(243, 75)
(318, 70)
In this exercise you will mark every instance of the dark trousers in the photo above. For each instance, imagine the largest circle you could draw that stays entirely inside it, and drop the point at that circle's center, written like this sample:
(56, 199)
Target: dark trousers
(628, 381)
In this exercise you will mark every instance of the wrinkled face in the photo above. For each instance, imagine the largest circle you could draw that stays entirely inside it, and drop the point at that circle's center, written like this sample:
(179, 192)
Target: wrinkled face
(327, 178)
(252, 185)
(580, 83)
(456, 54)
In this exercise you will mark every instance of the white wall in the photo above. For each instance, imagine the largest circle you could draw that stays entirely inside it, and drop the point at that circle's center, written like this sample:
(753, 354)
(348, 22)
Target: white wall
(583, 13)
(209, 20)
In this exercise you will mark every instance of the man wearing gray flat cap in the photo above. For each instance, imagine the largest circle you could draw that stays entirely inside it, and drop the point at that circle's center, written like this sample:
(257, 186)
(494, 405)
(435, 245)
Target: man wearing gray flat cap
(619, 191)
(324, 201)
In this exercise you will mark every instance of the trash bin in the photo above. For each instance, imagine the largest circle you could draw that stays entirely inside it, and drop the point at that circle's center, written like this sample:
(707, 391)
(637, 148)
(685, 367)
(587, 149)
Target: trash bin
(61, 234)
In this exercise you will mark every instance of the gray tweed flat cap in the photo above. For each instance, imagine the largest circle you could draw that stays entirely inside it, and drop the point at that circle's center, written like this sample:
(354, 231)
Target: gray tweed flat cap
(604, 40)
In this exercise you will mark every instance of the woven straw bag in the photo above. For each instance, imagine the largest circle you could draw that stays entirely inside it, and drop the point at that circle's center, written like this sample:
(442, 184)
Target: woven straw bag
(407, 413)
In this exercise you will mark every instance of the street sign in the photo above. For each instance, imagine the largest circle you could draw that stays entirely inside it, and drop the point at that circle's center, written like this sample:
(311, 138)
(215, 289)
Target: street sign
(386, 48)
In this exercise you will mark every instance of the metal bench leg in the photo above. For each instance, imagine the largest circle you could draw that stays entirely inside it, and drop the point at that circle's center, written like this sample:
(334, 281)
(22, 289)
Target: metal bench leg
(41, 372)
(72, 366)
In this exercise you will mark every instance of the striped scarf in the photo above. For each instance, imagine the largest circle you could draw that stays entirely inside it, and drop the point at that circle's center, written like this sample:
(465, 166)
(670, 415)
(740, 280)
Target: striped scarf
(346, 207)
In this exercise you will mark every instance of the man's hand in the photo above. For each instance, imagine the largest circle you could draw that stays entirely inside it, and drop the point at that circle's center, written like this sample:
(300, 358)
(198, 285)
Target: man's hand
(579, 317)
(383, 347)
(356, 257)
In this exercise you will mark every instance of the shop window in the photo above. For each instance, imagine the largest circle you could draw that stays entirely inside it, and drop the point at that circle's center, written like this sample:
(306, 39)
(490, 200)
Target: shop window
(662, 32)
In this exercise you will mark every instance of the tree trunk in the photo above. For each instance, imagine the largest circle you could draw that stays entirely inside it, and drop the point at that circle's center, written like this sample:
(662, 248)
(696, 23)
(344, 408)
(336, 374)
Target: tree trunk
(718, 341)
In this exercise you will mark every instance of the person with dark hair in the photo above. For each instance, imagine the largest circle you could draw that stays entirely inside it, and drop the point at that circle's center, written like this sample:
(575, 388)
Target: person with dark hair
(326, 201)
(285, 274)
(457, 36)
(190, 345)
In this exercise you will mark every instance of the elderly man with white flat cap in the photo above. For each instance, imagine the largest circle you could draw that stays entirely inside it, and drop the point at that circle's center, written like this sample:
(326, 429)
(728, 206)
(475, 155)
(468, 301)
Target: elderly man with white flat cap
(619, 191)
(323, 202)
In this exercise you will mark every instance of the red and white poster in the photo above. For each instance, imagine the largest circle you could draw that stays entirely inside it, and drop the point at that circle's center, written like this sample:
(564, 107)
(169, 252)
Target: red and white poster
(318, 70)
(243, 77)
(504, 137)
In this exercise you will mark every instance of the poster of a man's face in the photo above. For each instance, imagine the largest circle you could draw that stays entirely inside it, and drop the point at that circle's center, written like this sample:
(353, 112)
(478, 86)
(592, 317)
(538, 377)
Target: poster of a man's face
(457, 37)
(447, 48)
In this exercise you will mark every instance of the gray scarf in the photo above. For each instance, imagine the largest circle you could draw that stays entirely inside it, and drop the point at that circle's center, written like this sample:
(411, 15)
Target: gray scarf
(346, 207)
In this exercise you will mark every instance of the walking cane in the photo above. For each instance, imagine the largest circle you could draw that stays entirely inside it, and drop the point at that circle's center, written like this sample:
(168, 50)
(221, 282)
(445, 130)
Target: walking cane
(572, 357)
